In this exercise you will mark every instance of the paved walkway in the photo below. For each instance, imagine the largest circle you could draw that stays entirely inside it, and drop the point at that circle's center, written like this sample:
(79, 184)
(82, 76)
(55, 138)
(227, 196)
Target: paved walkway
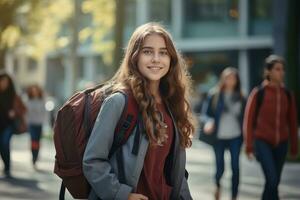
(201, 168)
(43, 184)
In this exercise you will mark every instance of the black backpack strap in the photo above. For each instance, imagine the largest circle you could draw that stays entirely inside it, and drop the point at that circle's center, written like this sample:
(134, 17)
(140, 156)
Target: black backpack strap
(259, 100)
(125, 126)
(127, 122)
(137, 136)
(120, 162)
(87, 109)
(288, 94)
(120, 136)
(118, 141)
(62, 191)
(86, 116)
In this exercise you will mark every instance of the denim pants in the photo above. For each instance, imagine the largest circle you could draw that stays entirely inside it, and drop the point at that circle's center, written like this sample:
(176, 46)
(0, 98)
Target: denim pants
(271, 160)
(5, 137)
(234, 146)
(35, 135)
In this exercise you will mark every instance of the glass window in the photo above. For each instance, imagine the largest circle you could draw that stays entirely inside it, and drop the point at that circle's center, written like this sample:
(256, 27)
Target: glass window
(207, 18)
(55, 68)
(205, 67)
(256, 64)
(130, 18)
(260, 12)
(160, 11)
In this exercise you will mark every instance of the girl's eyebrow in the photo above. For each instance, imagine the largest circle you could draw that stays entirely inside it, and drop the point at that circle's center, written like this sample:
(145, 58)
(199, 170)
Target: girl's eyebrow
(149, 47)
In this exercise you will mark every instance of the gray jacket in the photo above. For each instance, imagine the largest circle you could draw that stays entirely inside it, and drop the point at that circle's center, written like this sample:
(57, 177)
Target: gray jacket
(102, 172)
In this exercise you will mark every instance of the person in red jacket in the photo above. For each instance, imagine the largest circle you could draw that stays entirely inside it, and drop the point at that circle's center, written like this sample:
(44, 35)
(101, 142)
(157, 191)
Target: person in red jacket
(270, 120)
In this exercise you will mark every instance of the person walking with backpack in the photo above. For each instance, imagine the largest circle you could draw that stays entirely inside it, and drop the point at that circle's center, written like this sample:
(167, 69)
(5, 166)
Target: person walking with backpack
(270, 120)
(151, 164)
(35, 118)
(11, 108)
(224, 110)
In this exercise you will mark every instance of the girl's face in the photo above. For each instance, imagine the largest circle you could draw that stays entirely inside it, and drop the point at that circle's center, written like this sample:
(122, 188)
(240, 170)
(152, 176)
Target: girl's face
(154, 59)
(276, 74)
(4, 83)
(230, 81)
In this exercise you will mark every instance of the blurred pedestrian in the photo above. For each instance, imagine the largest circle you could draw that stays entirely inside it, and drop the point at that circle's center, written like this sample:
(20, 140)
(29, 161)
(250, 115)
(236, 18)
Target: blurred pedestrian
(224, 110)
(270, 120)
(11, 108)
(154, 72)
(35, 118)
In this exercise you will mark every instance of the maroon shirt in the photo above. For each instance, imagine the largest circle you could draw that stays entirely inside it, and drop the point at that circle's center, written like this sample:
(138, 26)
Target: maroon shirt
(152, 182)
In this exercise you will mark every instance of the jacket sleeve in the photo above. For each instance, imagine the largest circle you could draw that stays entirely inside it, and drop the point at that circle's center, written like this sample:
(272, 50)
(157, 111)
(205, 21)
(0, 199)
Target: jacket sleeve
(185, 191)
(292, 115)
(96, 166)
(206, 111)
(248, 129)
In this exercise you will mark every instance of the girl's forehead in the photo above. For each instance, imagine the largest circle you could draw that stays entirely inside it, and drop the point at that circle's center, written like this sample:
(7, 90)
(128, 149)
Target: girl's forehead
(154, 37)
(4, 78)
(278, 65)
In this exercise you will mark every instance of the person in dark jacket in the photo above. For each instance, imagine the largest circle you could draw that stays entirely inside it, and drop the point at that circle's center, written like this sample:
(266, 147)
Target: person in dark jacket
(268, 125)
(154, 72)
(11, 107)
(224, 110)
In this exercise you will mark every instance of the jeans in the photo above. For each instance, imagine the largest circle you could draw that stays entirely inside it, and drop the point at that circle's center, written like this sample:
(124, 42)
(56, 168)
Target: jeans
(271, 160)
(35, 135)
(5, 137)
(234, 146)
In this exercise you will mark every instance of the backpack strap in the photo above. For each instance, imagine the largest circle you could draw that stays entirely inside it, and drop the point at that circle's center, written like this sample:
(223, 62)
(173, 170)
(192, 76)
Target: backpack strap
(86, 116)
(124, 128)
(259, 100)
(127, 122)
(288, 94)
(87, 109)
(62, 191)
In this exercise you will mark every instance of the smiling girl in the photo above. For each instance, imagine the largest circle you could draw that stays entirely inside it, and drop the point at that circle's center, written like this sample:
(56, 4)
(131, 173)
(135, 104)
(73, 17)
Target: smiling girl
(156, 76)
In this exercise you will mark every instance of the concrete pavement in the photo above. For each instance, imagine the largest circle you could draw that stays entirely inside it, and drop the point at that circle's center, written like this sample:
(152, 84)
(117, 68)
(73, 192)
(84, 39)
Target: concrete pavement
(200, 164)
(28, 183)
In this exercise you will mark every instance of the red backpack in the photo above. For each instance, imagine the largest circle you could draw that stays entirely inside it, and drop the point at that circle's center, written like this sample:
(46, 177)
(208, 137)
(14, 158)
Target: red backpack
(72, 128)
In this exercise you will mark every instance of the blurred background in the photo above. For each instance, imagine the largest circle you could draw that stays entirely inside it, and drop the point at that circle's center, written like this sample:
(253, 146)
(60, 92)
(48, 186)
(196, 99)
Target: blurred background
(68, 45)
(63, 45)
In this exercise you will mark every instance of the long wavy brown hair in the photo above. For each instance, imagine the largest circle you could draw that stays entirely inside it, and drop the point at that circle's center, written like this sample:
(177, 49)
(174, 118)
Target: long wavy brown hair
(175, 87)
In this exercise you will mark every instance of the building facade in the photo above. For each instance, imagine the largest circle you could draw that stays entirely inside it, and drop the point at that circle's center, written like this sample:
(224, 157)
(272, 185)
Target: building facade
(211, 34)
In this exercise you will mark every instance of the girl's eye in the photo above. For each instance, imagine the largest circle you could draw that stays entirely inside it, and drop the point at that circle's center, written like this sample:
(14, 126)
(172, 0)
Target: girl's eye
(147, 52)
(164, 53)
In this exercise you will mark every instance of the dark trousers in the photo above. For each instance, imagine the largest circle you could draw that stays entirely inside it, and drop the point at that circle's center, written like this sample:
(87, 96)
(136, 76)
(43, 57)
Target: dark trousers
(35, 135)
(271, 160)
(5, 137)
(234, 146)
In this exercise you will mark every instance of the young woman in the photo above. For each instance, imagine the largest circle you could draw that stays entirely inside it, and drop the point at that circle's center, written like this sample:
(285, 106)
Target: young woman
(269, 124)
(224, 109)
(155, 73)
(11, 107)
(35, 118)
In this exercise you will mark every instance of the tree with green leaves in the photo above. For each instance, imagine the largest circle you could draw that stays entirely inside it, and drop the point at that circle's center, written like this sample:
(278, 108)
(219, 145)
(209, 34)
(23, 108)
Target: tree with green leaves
(9, 30)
